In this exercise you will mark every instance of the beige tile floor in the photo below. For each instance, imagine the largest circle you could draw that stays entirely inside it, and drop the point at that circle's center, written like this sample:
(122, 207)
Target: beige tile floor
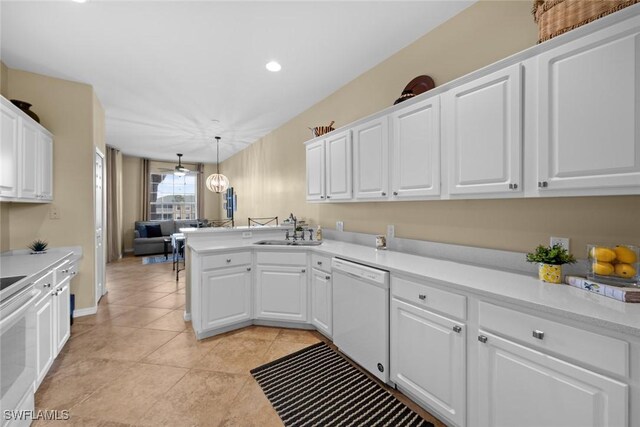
(137, 362)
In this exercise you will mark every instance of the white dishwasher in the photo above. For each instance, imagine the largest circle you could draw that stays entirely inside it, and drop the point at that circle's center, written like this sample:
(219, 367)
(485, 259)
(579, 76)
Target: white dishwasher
(361, 315)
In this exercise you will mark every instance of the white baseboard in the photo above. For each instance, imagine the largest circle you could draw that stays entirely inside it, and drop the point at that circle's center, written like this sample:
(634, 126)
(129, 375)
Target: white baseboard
(85, 311)
(187, 316)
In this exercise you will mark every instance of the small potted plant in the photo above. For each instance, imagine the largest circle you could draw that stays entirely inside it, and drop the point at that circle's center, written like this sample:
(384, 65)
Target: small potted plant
(550, 260)
(38, 247)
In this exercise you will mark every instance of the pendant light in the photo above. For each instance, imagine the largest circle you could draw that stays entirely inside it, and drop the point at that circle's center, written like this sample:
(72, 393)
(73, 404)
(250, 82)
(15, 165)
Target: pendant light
(217, 182)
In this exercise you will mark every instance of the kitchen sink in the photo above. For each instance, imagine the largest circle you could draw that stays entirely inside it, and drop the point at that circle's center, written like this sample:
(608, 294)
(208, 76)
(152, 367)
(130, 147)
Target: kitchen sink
(288, 243)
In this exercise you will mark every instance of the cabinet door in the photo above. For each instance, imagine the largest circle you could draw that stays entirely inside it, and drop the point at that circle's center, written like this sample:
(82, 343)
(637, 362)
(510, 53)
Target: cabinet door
(8, 151)
(416, 150)
(62, 314)
(29, 167)
(321, 298)
(588, 112)
(315, 171)
(226, 296)
(45, 168)
(338, 166)
(281, 293)
(428, 359)
(44, 337)
(483, 134)
(371, 159)
(519, 386)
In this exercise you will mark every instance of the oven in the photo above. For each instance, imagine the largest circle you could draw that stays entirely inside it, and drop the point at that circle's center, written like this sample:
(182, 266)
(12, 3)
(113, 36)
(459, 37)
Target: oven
(17, 355)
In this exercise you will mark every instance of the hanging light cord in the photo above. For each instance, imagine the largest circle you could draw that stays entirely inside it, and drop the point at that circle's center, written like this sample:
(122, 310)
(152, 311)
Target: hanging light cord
(218, 155)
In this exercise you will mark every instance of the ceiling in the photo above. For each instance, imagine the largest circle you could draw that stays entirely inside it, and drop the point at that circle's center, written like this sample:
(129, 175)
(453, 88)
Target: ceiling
(171, 75)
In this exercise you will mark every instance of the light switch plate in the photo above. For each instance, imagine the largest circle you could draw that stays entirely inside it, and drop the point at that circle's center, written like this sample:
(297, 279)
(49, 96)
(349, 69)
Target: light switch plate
(339, 226)
(562, 241)
(53, 212)
(391, 231)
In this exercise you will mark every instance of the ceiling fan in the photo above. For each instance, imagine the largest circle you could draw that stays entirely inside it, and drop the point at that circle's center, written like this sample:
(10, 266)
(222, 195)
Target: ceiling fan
(180, 170)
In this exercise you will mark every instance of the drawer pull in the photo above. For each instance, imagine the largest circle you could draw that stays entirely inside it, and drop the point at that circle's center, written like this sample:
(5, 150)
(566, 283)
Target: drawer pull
(457, 329)
(384, 194)
(327, 277)
(422, 297)
(228, 260)
(319, 262)
(538, 334)
(304, 270)
(483, 339)
(48, 285)
(395, 193)
(248, 268)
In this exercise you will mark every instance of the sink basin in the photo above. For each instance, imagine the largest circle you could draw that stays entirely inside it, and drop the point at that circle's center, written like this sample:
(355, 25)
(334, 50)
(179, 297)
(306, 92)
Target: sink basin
(288, 243)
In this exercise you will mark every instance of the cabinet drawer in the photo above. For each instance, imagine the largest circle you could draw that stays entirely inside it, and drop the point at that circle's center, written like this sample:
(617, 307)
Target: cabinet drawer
(597, 350)
(225, 260)
(282, 258)
(423, 296)
(45, 284)
(321, 262)
(63, 270)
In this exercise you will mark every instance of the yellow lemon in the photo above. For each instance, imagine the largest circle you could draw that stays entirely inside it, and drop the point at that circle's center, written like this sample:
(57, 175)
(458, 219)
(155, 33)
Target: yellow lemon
(625, 270)
(603, 254)
(625, 255)
(603, 268)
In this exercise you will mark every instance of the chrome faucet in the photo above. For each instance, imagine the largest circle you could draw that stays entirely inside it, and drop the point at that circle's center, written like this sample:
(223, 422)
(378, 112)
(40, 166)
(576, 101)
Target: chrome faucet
(295, 227)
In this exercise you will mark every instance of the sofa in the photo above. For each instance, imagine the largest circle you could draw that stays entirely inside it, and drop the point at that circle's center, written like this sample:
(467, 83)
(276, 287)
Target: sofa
(143, 244)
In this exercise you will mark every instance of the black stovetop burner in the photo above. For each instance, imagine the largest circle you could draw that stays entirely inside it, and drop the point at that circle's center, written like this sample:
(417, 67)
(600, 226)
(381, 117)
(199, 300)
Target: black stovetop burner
(5, 282)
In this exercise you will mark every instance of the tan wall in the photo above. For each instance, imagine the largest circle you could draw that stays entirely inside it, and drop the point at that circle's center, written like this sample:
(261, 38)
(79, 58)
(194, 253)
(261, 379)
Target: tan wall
(70, 111)
(269, 176)
(5, 244)
(4, 79)
(131, 195)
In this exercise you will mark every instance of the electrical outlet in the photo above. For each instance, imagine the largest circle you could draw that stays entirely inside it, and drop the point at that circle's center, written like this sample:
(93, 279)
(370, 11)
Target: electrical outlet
(53, 212)
(562, 241)
(339, 226)
(391, 231)
(246, 234)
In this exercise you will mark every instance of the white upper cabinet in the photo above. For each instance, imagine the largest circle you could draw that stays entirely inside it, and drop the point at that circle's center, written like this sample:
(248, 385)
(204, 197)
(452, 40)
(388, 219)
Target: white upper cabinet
(29, 165)
(26, 157)
(482, 134)
(589, 112)
(371, 159)
(45, 167)
(416, 150)
(315, 171)
(8, 150)
(338, 166)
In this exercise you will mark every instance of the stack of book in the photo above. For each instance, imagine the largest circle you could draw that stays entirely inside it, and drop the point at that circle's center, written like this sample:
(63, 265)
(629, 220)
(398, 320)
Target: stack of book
(627, 294)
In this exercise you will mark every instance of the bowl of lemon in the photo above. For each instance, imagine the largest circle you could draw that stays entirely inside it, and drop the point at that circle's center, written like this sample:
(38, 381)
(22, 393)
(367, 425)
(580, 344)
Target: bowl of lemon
(614, 264)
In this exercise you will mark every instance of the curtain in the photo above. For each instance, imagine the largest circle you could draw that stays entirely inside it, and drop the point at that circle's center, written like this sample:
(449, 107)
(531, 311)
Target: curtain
(144, 189)
(200, 191)
(114, 204)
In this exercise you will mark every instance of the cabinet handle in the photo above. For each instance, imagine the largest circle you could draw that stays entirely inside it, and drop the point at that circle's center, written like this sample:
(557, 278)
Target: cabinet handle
(319, 262)
(328, 197)
(322, 197)
(422, 297)
(538, 334)
(304, 270)
(327, 277)
(248, 268)
(228, 260)
(483, 339)
(513, 186)
(457, 329)
(384, 194)
(395, 193)
(543, 184)
(48, 285)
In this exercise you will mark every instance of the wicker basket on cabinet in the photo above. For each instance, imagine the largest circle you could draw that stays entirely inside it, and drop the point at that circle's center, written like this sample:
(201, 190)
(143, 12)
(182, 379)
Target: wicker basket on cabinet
(555, 17)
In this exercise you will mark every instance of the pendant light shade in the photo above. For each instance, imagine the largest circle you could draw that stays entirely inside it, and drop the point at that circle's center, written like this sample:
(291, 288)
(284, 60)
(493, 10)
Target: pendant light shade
(217, 182)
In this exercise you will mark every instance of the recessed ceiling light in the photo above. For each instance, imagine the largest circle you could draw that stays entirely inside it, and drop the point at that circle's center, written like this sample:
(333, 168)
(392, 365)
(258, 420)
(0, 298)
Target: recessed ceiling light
(273, 66)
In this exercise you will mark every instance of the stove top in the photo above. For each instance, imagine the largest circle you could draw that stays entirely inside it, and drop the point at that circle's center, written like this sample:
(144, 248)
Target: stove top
(5, 282)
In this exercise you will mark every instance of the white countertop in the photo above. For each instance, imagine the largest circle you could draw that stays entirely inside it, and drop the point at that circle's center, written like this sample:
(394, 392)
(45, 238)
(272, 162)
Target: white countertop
(22, 263)
(512, 288)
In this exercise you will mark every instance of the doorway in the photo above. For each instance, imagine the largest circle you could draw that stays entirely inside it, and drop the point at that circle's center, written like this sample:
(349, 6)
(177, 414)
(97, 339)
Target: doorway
(99, 199)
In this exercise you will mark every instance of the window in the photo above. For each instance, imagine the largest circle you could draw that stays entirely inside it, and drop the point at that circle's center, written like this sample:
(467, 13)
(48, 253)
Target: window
(172, 197)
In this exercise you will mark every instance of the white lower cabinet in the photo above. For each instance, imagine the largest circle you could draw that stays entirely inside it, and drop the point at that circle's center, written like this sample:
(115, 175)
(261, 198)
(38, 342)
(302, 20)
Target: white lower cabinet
(53, 317)
(226, 294)
(281, 293)
(521, 386)
(428, 359)
(321, 301)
